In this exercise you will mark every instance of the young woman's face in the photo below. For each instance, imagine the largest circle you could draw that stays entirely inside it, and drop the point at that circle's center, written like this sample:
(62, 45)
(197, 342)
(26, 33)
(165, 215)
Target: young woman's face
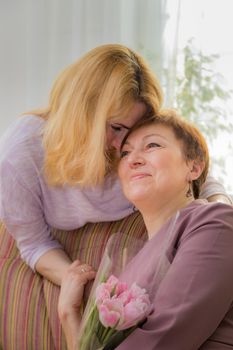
(152, 165)
(117, 130)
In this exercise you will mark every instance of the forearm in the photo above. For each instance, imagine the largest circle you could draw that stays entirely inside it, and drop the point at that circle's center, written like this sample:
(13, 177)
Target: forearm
(70, 321)
(219, 198)
(53, 265)
(214, 191)
(70, 300)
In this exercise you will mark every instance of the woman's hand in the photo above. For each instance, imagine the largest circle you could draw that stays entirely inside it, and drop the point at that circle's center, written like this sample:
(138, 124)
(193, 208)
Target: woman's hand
(72, 287)
(70, 299)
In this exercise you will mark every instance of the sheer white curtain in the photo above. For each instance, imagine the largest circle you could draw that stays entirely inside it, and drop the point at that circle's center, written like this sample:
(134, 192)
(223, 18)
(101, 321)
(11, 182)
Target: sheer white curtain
(40, 37)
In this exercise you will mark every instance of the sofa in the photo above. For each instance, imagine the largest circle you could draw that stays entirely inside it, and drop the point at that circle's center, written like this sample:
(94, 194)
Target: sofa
(28, 302)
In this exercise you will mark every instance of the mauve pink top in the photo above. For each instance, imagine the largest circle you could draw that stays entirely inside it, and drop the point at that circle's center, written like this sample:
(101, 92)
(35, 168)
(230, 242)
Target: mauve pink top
(29, 207)
(187, 269)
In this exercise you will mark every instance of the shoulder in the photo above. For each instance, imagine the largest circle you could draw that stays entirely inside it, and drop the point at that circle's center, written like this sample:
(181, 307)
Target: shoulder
(206, 217)
(205, 210)
(22, 142)
(24, 129)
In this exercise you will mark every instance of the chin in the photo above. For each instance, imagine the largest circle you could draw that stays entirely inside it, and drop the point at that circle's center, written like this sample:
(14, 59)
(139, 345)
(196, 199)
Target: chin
(136, 197)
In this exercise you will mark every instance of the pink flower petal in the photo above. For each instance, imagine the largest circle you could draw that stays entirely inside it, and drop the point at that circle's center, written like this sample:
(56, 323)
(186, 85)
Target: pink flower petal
(110, 312)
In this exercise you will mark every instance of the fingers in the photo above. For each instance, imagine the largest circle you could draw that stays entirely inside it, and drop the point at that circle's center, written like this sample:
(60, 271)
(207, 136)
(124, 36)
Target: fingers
(83, 272)
(72, 286)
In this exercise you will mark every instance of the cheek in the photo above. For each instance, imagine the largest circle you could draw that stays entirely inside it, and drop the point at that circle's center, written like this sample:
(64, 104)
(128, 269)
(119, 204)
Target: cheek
(166, 165)
(160, 162)
(108, 137)
(120, 170)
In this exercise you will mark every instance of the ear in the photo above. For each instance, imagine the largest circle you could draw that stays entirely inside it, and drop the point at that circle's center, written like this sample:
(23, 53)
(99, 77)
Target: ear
(196, 168)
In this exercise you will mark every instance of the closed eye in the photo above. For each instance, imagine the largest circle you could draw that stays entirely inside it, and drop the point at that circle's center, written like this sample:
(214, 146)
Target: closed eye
(116, 128)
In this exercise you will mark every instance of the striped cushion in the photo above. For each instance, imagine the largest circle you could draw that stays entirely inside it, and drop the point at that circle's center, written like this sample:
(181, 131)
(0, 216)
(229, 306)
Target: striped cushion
(28, 302)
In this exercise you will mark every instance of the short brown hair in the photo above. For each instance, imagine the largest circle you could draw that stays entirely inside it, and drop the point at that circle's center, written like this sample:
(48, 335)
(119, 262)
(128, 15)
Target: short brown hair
(194, 143)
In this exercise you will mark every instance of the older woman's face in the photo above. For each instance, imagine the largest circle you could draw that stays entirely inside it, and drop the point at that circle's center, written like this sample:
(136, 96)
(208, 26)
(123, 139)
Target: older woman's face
(152, 165)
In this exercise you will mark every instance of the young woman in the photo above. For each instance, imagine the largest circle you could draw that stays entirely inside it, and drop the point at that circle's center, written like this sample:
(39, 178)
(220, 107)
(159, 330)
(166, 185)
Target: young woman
(55, 164)
(164, 162)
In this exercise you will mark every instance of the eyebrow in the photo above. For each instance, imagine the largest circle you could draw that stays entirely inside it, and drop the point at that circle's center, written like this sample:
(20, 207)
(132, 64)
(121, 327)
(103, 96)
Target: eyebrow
(146, 137)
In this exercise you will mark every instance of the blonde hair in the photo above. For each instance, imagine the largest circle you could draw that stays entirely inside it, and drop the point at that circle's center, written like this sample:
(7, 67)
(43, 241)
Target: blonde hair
(103, 84)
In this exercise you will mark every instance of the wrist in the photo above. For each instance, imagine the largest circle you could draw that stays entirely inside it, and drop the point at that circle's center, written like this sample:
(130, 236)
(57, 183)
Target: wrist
(68, 312)
(70, 321)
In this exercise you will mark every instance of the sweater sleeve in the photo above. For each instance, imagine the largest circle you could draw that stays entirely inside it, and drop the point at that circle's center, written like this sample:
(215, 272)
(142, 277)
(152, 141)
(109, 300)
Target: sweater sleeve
(197, 291)
(21, 210)
(212, 187)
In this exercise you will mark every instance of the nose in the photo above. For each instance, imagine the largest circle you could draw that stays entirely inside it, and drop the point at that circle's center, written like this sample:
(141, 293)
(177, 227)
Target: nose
(135, 159)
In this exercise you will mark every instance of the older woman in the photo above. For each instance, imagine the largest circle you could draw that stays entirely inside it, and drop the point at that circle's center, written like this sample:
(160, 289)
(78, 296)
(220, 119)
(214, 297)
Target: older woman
(164, 162)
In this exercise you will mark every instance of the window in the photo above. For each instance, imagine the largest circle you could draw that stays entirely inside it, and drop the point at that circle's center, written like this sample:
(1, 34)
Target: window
(198, 74)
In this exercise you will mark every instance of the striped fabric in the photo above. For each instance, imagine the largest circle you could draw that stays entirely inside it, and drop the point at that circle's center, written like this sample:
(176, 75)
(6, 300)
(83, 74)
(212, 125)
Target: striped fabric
(28, 302)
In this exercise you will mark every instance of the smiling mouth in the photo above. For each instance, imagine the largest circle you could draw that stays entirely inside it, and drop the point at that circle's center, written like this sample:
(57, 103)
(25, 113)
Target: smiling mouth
(139, 176)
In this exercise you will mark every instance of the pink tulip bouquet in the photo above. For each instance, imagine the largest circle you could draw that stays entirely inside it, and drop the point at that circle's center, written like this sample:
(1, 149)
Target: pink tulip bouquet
(116, 311)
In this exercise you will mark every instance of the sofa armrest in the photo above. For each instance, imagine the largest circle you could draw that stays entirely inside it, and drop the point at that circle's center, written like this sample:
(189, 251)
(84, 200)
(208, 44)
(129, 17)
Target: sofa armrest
(28, 308)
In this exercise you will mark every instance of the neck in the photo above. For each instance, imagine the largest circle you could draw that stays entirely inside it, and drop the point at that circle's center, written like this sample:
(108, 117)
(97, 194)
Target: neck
(155, 216)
